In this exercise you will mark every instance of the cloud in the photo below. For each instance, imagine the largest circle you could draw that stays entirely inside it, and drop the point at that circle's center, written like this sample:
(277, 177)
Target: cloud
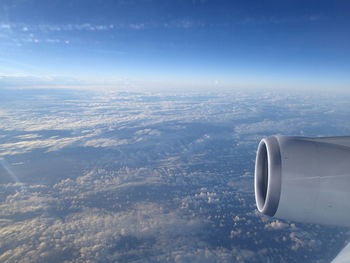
(150, 132)
(276, 19)
(55, 223)
(166, 209)
(3, 112)
(104, 142)
(88, 233)
(270, 126)
(25, 146)
(24, 203)
(185, 24)
(30, 142)
(276, 225)
(28, 136)
(29, 80)
(204, 138)
(95, 234)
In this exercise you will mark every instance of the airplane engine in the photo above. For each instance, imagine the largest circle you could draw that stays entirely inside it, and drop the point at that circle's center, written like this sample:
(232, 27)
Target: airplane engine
(304, 179)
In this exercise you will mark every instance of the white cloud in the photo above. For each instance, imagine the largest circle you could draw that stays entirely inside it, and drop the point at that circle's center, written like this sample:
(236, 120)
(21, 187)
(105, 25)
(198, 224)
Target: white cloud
(104, 142)
(51, 144)
(93, 233)
(147, 231)
(28, 136)
(276, 225)
(204, 138)
(20, 80)
(24, 202)
(151, 132)
(113, 215)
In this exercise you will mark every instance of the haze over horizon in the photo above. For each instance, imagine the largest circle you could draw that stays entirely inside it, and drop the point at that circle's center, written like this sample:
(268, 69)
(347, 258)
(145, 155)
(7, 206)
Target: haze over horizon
(169, 45)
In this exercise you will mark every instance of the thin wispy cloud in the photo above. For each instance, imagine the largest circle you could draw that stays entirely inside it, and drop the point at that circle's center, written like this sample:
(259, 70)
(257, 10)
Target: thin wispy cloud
(32, 80)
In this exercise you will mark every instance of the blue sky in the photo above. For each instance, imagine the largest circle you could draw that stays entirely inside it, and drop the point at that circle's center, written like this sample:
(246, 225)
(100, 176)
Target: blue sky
(175, 44)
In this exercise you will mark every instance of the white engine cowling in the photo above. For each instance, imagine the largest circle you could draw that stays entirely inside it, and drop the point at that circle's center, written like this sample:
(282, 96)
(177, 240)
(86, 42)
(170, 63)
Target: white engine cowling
(304, 179)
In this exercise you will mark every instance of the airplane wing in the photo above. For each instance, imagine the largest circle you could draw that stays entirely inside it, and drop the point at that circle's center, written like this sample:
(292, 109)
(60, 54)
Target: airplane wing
(343, 256)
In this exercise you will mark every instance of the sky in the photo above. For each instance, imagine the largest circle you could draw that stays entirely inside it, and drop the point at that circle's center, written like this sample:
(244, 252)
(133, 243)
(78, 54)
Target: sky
(172, 44)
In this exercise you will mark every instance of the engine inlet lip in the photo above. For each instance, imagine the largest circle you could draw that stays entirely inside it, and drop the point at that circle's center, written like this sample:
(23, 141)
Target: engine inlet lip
(267, 178)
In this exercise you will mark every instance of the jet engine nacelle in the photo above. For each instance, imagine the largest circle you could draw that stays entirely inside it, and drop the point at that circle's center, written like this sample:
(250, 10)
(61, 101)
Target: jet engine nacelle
(304, 179)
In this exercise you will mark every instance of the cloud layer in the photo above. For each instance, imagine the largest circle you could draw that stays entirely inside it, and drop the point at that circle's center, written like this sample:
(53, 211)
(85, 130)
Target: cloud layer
(164, 178)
